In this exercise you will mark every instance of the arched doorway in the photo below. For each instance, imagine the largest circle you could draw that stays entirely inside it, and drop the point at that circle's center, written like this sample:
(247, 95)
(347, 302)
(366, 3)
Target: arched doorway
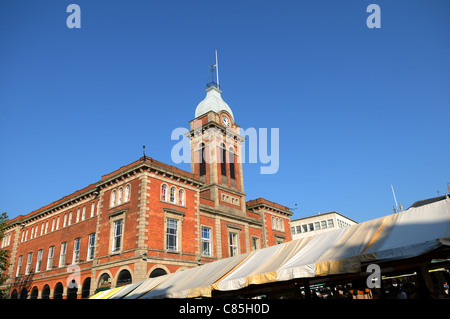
(46, 292)
(34, 293)
(72, 292)
(158, 272)
(86, 288)
(23, 294)
(124, 278)
(14, 294)
(58, 292)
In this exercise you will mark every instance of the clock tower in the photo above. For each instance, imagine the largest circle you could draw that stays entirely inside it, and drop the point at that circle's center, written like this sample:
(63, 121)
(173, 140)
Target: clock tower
(216, 153)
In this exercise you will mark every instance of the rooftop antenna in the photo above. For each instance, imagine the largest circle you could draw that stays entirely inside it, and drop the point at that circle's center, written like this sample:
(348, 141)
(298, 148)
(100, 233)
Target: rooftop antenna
(395, 199)
(216, 68)
(143, 151)
(217, 71)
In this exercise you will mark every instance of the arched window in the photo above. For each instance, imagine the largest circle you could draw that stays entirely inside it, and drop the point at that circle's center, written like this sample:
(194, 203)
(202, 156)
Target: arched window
(69, 221)
(127, 192)
(120, 195)
(104, 282)
(78, 216)
(164, 192)
(231, 162)
(181, 197)
(113, 198)
(124, 278)
(223, 160)
(57, 223)
(202, 159)
(83, 214)
(92, 209)
(173, 191)
(158, 272)
(64, 221)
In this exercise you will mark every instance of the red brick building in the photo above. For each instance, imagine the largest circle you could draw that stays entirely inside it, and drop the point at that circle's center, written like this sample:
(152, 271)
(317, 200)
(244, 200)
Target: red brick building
(146, 219)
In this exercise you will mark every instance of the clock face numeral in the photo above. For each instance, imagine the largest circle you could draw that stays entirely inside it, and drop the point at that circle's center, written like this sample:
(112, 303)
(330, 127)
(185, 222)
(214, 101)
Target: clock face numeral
(225, 121)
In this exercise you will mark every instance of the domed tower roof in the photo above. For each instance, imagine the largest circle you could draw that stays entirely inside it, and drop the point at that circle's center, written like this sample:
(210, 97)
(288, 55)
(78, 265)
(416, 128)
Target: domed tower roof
(212, 102)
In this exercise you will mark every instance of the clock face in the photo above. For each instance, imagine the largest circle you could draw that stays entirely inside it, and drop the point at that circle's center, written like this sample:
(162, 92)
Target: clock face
(225, 121)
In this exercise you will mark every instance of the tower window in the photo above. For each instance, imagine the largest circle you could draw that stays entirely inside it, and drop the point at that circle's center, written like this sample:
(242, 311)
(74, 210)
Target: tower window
(223, 162)
(231, 160)
(202, 160)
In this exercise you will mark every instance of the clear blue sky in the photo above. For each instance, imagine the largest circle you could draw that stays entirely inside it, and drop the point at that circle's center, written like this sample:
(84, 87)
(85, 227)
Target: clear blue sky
(358, 109)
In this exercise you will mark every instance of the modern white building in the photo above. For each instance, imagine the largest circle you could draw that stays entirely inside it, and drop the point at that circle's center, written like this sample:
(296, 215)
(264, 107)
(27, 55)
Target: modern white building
(316, 224)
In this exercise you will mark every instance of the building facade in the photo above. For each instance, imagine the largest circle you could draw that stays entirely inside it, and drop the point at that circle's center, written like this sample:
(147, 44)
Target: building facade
(320, 223)
(146, 219)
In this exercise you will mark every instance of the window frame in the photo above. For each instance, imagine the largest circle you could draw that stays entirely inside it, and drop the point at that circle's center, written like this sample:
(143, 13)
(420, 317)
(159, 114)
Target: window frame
(29, 260)
(207, 241)
(39, 260)
(181, 197)
(19, 265)
(91, 247)
(174, 200)
(177, 215)
(164, 191)
(62, 254)
(117, 239)
(50, 257)
(233, 248)
(175, 235)
(76, 250)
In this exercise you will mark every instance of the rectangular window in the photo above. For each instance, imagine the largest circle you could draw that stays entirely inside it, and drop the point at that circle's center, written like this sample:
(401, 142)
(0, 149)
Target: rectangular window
(324, 224)
(19, 265)
(172, 234)
(117, 236)
(299, 229)
(29, 258)
(311, 226)
(330, 223)
(233, 242)
(90, 255)
(76, 250)
(206, 241)
(39, 260)
(51, 251)
(255, 243)
(305, 228)
(317, 225)
(62, 255)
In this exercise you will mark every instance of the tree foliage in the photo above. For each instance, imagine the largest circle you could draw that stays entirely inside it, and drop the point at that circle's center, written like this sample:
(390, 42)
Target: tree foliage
(4, 254)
